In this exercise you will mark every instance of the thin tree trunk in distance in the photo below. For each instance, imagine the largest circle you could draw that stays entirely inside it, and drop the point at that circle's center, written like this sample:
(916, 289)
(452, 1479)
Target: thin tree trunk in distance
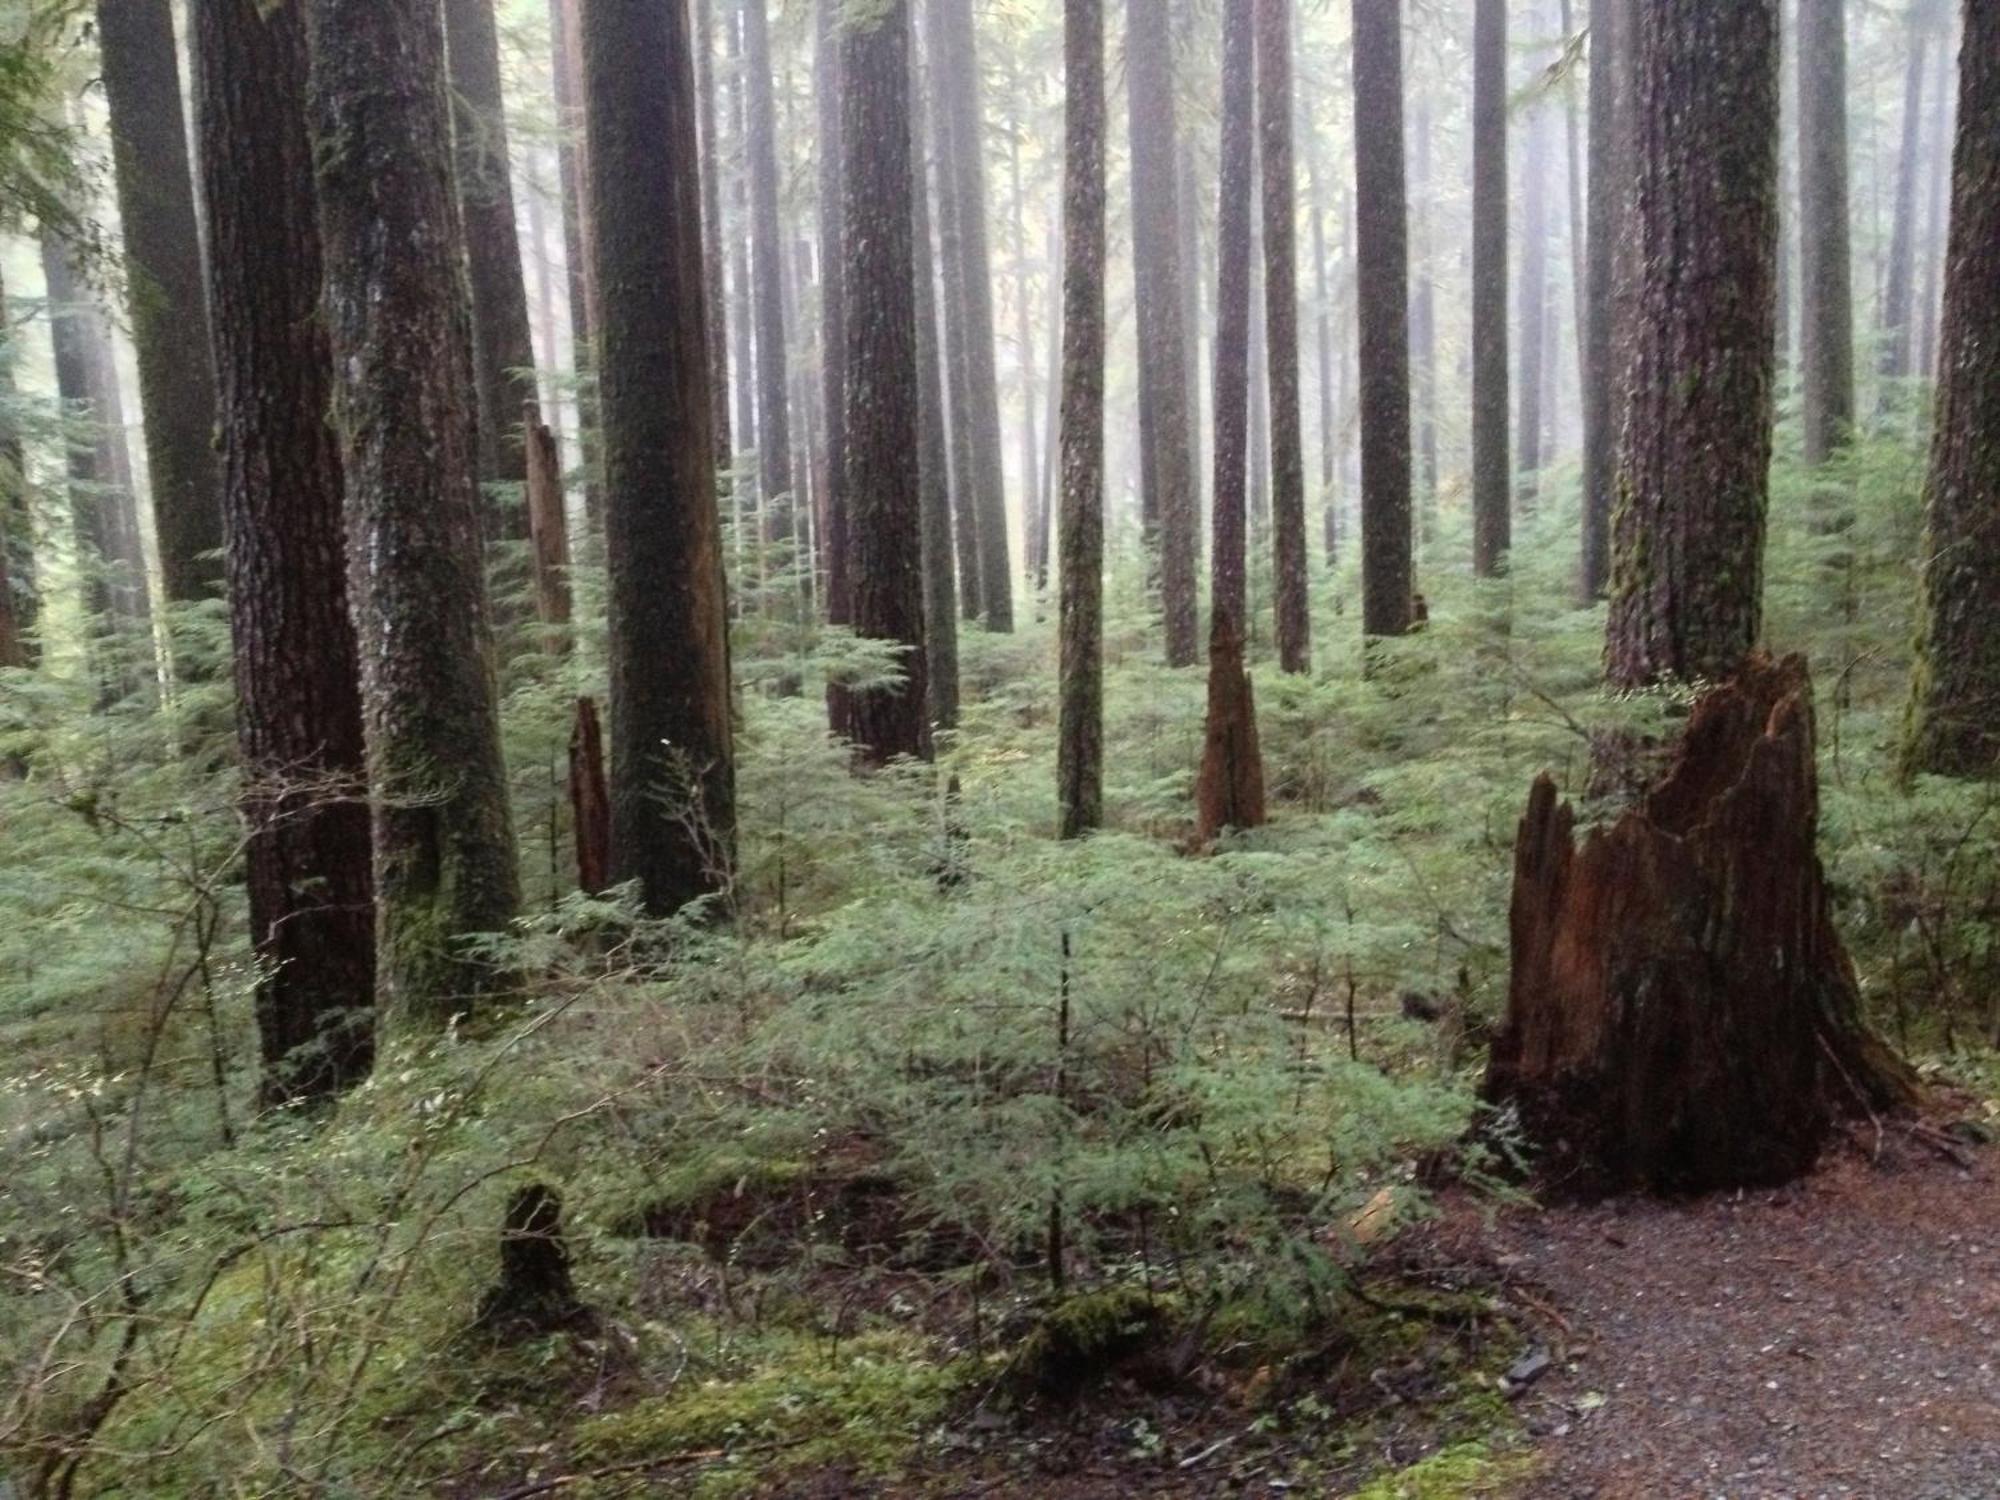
(767, 251)
(298, 696)
(1899, 299)
(1080, 734)
(1381, 217)
(934, 450)
(1281, 333)
(1157, 275)
(399, 332)
(711, 230)
(1423, 322)
(961, 90)
(1231, 400)
(589, 800)
(1938, 231)
(1532, 294)
(1955, 715)
(884, 480)
(503, 354)
(957, 322)
(1608, 184)
(1492, 487)
(1033, 499)
(1686, 598)
(547, 533)
(17, 575)
(572, 151)
(1826, 307)
(832, 311)
(673, 784)
(166, 299)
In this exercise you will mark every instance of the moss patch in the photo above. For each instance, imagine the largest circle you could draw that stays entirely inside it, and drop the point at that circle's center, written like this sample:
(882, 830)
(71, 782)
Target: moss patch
(1455, 1473)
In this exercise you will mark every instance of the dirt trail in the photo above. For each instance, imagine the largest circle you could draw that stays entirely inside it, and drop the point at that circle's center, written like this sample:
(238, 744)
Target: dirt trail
(1836, 1338)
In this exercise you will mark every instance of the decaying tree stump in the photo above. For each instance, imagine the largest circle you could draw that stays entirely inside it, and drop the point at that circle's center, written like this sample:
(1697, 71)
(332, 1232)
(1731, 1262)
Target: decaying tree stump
(535, 1292)
(589, 800)
(1229, 793)
(1681, 1013)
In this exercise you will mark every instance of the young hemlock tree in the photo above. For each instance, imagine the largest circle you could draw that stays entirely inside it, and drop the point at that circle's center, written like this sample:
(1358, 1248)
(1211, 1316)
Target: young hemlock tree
(672, 755)
(1080, 549)
(1826, 297)
(1281, 323)
(1955, 715)
(1607, 195)
(955, 58)
(1492, 489)
(933, 447)
(169, 311)
(398, 325)
(1166, 450)
(883, 476)
(767, 258)
(1231, 401)
(1382, 277)
(1695, 455)
(503, 354)
(298, 691)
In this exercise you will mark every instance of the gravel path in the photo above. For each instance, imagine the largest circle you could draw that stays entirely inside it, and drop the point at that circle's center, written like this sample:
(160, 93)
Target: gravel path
(1836, 1338)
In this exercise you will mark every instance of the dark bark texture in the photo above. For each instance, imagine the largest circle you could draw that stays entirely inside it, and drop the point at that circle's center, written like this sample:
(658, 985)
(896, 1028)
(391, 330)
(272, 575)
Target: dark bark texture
(1608, 185)
(167, 302)
(832, 300)
(767, 258)
(548, 532)
(1381, 217)
(503, 354)
(1235, 176)
(398, 325)
(1164, 419)
(933, 447)
(1826, 297)
(1080, 734)
(298, 693)
(1229, 790)
(673, 781)
(1955, 718)
(1492, 497)
(1695, 447)
(589, 800)
(1281, 333)
(1682, 1015)
(883, 476)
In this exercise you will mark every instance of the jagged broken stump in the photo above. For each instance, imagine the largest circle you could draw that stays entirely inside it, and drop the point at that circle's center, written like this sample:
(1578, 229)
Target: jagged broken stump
(1681, 1014)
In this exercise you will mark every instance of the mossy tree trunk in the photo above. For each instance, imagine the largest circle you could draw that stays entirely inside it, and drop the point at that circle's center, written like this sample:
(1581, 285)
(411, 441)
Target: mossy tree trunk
(1695, 445)
(1492, 492)
(1826, 294)
(883, 476)
(1080, 550)
(1164, 419)
(1281, 323)
(1955, 712)
(298, 686)
(503, 354)
(399, 329)
(1382, 290)
(673, 784)
(166, 299)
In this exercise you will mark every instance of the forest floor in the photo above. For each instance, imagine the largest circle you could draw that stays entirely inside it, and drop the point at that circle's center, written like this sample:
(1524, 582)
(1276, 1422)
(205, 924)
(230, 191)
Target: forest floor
(1838, 1337)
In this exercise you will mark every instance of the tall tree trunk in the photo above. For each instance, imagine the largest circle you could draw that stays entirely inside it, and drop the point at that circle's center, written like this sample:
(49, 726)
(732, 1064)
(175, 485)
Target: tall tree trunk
(503, 353)
(767, 253)
(832, 313)
(669, 646)
(572, 151)
(884, 479)
(1329, 433)
(1281, 324)
(1575, 214)
(1381, 217)
(169, 309)
(1532, 294)
(710, 122)
(1080, 734)
(933, 447)
(956, 57)
(1688, 541)
(1423, 322)
(298, 691)
(1159, 310)
(1231, 400)
(1608, 185)
(1899, 298)
(1955, 716)
(746, 506)
(1826, 308)
(1033, 499)
(1938, 230)
(957, 324)
(1188, 233)
(397, 324)
(18, 596)
(1492, 486)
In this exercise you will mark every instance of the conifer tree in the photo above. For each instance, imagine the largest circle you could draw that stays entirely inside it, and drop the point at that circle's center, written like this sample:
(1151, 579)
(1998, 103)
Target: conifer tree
(1492, 497)
(1281, 324)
